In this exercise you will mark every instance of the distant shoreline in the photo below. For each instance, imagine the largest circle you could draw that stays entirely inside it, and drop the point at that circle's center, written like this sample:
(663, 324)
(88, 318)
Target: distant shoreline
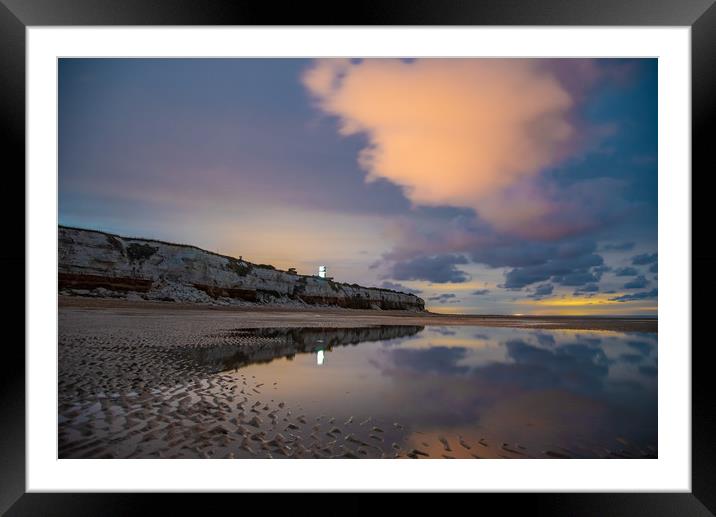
(290, 316)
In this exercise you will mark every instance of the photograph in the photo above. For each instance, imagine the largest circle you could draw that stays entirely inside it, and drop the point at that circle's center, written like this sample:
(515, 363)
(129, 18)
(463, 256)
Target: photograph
(358, 258)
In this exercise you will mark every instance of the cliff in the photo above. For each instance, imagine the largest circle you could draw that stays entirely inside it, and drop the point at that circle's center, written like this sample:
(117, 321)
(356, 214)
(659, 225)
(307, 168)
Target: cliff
(93, 263)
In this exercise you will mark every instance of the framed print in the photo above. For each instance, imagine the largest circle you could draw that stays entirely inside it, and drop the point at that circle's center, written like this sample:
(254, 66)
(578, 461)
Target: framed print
(282, 256)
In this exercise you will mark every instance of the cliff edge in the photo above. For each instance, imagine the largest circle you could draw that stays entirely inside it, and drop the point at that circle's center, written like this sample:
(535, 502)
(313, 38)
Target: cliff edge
(94, 263)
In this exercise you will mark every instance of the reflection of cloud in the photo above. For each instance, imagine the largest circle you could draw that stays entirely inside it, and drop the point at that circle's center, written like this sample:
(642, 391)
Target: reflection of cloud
(437, 359)
(572, 366)
(442, 331)
(556, 391)
(643, 259)
(642, 347)
(593, 341)
(546, 339)
(649, 371)
(575, 366)
(631, 358)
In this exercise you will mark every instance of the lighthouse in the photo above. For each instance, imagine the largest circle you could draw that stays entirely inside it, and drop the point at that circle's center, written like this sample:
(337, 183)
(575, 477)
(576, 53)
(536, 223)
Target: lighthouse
(322, 271)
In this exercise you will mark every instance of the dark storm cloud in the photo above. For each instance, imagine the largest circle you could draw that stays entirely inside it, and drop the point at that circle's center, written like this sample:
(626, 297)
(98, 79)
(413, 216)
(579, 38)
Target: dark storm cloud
(618, 246)
(643, 259)
(443, 298)
(643, 295)
(394, 286)
(654, 268)
(480, 292)
(638, 283)
(439, 269)
(626, 271)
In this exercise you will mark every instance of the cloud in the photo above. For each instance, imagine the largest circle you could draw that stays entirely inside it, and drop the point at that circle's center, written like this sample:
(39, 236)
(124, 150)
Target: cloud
(570, 270)
(638, 283)
(439, 269)
(618, 246)
(600, 270)
(481, 292)
(588, 288)
(654, 268)
(394, 286)
(460, 132)
(575, 279)
(626, 271)
(443, 298)
(642, 295)
(643, 259)
(542, 291)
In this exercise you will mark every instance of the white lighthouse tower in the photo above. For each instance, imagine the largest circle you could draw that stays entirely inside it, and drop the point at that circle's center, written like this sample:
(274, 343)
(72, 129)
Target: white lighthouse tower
(322, 271)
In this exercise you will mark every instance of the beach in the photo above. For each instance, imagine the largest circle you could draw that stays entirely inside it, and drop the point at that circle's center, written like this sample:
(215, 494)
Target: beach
(283, 315)
(167, 380)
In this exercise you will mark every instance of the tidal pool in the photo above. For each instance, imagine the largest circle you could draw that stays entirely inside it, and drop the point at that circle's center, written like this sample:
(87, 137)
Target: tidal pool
(487, 392)
(368, 392)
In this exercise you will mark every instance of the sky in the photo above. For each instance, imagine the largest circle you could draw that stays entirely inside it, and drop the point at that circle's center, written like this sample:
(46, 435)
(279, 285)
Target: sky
(485, 186)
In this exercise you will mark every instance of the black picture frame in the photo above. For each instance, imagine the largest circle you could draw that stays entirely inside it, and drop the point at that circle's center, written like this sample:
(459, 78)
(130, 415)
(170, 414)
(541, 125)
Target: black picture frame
(16, 15)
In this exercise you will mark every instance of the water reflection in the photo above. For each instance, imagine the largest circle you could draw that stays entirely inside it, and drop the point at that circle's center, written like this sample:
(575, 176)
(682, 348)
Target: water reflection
(237, 348)
(587, 392)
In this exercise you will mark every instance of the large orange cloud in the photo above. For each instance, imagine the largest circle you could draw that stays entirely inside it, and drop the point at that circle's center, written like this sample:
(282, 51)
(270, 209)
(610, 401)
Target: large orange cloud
(462, 132)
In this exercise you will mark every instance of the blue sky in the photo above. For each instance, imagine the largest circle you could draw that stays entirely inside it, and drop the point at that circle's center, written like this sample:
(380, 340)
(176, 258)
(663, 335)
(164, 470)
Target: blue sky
(486, 185)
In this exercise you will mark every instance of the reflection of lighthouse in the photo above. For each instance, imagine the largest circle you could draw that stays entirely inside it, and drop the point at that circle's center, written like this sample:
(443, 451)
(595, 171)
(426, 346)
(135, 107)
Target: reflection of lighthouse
(322, 271)
(319, 352)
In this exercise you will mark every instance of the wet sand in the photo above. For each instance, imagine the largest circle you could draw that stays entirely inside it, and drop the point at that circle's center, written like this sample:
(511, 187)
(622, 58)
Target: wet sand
(134, 382)
(279, 316)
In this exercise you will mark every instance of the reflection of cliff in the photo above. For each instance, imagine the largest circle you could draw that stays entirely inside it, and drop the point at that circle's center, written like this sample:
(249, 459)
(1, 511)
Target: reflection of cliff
(242, 347)
(100, 264)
